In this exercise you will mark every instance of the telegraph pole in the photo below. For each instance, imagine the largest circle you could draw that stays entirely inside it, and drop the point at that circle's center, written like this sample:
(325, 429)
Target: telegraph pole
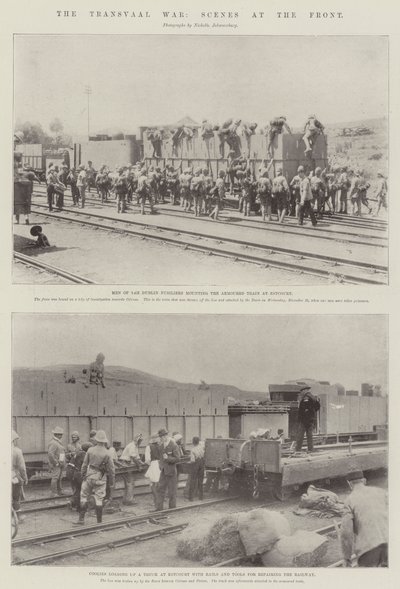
(88, 91)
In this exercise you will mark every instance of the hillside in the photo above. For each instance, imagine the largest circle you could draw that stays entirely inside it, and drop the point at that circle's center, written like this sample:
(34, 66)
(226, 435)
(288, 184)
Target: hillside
(119, 374)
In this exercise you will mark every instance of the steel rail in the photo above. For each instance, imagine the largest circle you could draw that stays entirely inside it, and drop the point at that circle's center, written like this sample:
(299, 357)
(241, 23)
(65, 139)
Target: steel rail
(30, 261)
(99, 546)
(111, 524)
(259, 260)
(196, 234)
(284, 229)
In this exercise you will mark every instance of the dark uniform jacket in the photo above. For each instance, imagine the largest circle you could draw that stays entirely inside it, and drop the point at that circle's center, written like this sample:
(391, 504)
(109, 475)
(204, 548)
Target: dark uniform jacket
(308, 408)
(168, 465)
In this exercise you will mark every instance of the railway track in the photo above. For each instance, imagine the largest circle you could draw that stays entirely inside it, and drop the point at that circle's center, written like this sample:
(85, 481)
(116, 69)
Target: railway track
(147, 526)
(333, 269)
(50, 503)
(32, 262)
(323, 230)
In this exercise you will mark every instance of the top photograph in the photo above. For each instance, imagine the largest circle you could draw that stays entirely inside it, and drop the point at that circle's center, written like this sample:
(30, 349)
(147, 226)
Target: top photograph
(185, 160)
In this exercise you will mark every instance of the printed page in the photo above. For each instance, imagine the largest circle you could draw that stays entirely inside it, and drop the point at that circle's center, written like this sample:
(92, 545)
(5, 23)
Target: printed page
(199, 288)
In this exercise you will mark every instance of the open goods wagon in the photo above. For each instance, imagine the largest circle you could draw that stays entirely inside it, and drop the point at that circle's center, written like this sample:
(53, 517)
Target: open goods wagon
(257, 467)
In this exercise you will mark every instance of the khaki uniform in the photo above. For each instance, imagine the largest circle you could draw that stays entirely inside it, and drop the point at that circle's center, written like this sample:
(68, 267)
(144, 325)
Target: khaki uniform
(56, 459)
(96, 467)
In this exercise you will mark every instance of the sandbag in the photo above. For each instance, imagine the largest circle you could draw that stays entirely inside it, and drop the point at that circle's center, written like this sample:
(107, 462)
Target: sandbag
(321, 500)
(211, 542)
(302, 549)
(260, 528)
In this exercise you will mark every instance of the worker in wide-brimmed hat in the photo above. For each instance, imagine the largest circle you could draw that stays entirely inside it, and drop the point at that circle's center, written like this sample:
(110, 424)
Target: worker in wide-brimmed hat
(306, 418)
(42, 240)
(170, 455)
(364, 527)
(56, 459)
(96, 467)
(18, 473)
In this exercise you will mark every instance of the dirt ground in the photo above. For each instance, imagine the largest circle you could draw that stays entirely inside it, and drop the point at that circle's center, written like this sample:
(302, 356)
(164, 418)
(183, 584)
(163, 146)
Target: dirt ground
(112, 258)
(161, 551)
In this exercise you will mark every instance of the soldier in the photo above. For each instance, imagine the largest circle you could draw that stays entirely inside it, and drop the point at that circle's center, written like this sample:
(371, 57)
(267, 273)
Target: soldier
(275, 128)
(72, 180)
(73, 474)
(343, 187)
(102, 184)
(247, 193)
(280, 191)
(168, 475)
(51, 181)
(91, 175)
(318, 190)
(197, 191)
(295, 194)
(144, 192)
(248, 130)
(331, 191)
(96, 466)
(208, 186)
(305, 198)
(218, 193)
(312, 129)
(176, 138)
(222, 133)
(18, 474)
(207, 133)
(184, 180)
(362, 191)
(172, 184)
(81, 184)
(233, 139)
(355, 194)
(264, 189)
(121, 189)
(56, 459)
(95, 373)
(381, 194)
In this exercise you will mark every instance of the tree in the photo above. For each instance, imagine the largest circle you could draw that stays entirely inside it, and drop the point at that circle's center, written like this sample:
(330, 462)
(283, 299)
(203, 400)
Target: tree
(33, 133)
(56, 127)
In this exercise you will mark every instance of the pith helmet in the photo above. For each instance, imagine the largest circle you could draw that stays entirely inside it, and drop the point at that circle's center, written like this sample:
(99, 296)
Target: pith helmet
(35, 230)
(162, 432)
(58, 430)
(14, 436)
(101, 437)
(300, 169)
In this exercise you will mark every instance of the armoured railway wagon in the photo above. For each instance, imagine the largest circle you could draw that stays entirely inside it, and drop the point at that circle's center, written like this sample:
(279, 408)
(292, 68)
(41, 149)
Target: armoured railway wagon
(133, 403)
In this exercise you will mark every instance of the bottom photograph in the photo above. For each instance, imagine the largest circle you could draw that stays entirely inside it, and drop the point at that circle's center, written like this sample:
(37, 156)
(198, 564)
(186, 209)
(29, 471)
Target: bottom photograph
(199, 440)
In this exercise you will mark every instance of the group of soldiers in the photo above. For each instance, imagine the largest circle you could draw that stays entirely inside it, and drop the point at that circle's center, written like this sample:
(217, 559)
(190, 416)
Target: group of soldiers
(307, 193)
(229, 134)
(91, 468)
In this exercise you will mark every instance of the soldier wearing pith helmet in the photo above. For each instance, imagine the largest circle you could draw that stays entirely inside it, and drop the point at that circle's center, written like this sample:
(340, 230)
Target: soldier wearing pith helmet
(97, 466)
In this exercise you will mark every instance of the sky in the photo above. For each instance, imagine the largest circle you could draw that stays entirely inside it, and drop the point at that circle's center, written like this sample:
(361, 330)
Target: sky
(158, 79)
(247, 351)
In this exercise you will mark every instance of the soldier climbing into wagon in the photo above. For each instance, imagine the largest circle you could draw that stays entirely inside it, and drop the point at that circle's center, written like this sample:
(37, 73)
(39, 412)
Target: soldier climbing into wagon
(312, 129)
(276, 127)
(95, 372)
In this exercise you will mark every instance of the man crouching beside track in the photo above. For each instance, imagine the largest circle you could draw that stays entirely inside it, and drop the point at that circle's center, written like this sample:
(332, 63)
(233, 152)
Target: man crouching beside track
(97, 465)
(364, 527)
